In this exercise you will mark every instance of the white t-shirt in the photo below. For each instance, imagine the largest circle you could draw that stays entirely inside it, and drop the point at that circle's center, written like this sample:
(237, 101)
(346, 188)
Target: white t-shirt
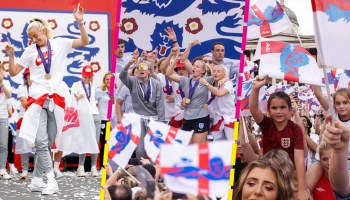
(3, 101)
(77, 88)
(224, 106)
(124, 94)
(102, 99)
(315, 138)
(169, 106)
(22, 92)
(60, 47)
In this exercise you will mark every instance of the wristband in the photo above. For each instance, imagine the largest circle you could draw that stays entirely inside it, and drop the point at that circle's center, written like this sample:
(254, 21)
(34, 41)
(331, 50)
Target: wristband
(80, 23)
(174, 41)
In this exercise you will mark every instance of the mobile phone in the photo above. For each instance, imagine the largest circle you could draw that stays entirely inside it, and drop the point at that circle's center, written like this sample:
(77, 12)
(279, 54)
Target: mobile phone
(150, 188)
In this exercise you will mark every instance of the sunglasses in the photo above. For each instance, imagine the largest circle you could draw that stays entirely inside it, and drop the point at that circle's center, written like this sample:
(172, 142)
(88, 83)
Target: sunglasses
(208, 61)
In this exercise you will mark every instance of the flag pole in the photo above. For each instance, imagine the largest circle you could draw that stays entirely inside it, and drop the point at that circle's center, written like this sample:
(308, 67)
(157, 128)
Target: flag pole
(245, 131)
(301, 44)
(130, 175)
(331, 108)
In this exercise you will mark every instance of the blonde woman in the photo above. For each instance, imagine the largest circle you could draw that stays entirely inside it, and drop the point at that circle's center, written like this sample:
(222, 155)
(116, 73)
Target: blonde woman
(102, 99)
(45, 114)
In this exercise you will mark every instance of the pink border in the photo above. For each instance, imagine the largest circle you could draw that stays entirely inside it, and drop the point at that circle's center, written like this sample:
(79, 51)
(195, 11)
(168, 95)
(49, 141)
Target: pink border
(241, 66)
(114, 59)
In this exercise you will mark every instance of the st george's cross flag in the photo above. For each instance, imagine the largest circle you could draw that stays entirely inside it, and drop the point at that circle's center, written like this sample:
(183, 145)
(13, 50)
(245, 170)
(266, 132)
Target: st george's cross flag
(246, 90)
(160, 133)
(344, 80)
(266, 18)
(332, 31)
(124, 139)
(198, 169)
(286, 61)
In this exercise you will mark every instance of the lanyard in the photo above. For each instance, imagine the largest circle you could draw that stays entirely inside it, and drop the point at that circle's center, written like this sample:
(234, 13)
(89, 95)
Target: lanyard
(88, 94)
(47, 65)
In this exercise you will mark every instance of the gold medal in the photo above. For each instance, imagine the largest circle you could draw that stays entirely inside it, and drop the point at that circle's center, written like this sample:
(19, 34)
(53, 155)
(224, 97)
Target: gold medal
(187, 100)
(205, 106)
(47, 76)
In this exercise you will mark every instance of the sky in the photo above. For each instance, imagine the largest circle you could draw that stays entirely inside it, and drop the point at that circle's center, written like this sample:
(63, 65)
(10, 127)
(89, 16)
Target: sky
(303, 11)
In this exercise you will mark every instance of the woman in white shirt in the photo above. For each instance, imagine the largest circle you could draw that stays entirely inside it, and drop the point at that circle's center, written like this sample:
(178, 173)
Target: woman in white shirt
(5, 93)
(102, 98)
(84, 91)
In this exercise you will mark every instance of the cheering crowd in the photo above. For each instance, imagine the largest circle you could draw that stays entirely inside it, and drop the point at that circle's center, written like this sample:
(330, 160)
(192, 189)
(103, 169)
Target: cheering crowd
(284, 152)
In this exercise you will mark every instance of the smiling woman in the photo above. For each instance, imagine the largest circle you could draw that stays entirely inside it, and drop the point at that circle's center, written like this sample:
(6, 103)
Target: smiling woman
(260, 179)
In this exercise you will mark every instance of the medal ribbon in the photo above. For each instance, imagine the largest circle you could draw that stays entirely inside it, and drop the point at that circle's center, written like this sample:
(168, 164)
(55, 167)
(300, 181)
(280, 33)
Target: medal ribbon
(148, 93)
(47, 65)
(192, 89)
(88, 95)
(169, 88)
(211, 99)
(181, 92)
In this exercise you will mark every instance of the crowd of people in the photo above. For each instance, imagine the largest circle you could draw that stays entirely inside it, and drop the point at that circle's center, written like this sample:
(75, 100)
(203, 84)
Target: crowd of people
(284, 153)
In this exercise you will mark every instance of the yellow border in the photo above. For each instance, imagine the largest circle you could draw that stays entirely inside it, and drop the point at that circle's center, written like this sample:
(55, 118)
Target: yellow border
(233, 160)
(105, 161)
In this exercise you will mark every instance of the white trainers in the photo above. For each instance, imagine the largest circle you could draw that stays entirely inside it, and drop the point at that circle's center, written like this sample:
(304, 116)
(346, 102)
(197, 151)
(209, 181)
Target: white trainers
(24, 174)
(36, 185)
(80, 171)
(94, 172)
(4, 175)
(58, 174)
(51, 187)
(13, 171)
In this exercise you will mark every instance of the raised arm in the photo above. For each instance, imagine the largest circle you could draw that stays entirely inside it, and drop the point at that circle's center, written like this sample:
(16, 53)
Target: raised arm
(123, 76)
(172, 36)
(318, 93)
(84, 38)
(254, 99)
(170, 71)
(185, 60)
(337, 136)
(217, 92)
(247, 149)
(14, 69)
(166, 62)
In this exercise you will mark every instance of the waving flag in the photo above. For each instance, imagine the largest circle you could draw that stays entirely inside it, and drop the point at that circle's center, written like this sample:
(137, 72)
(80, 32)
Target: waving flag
(279, 87)
(200, 169)
(124, 139)
(344, 80)
(333, 76)
(287, 61)
(332, 31)
(246, 90)
(160, 133)
(78, 132)
(266, 18)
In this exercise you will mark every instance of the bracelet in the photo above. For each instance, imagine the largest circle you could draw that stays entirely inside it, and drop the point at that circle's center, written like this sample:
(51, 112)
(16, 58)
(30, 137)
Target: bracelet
(80, 24)
(174, 41)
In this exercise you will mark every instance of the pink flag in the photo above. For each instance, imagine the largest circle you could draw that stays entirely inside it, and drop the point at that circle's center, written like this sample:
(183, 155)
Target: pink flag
(160, 133)
(199, 169)
(287, 61)
(124, 139)
(332, 31)
(266, 18)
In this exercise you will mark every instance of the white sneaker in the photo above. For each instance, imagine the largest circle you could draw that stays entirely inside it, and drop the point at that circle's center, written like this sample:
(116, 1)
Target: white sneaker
(14, 171)
(24, 174)
(80, 171)
(94, 172)
(4, 175)
(37, 185)
(58, 174)
(51, 188)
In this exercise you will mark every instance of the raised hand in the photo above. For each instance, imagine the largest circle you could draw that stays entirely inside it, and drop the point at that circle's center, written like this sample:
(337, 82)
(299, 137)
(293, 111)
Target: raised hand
(258, 83)
(136, 53)
(79, 13)
(195, 42)
(9, 48)
(174, 51)
(336, 134)
(171, 33)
